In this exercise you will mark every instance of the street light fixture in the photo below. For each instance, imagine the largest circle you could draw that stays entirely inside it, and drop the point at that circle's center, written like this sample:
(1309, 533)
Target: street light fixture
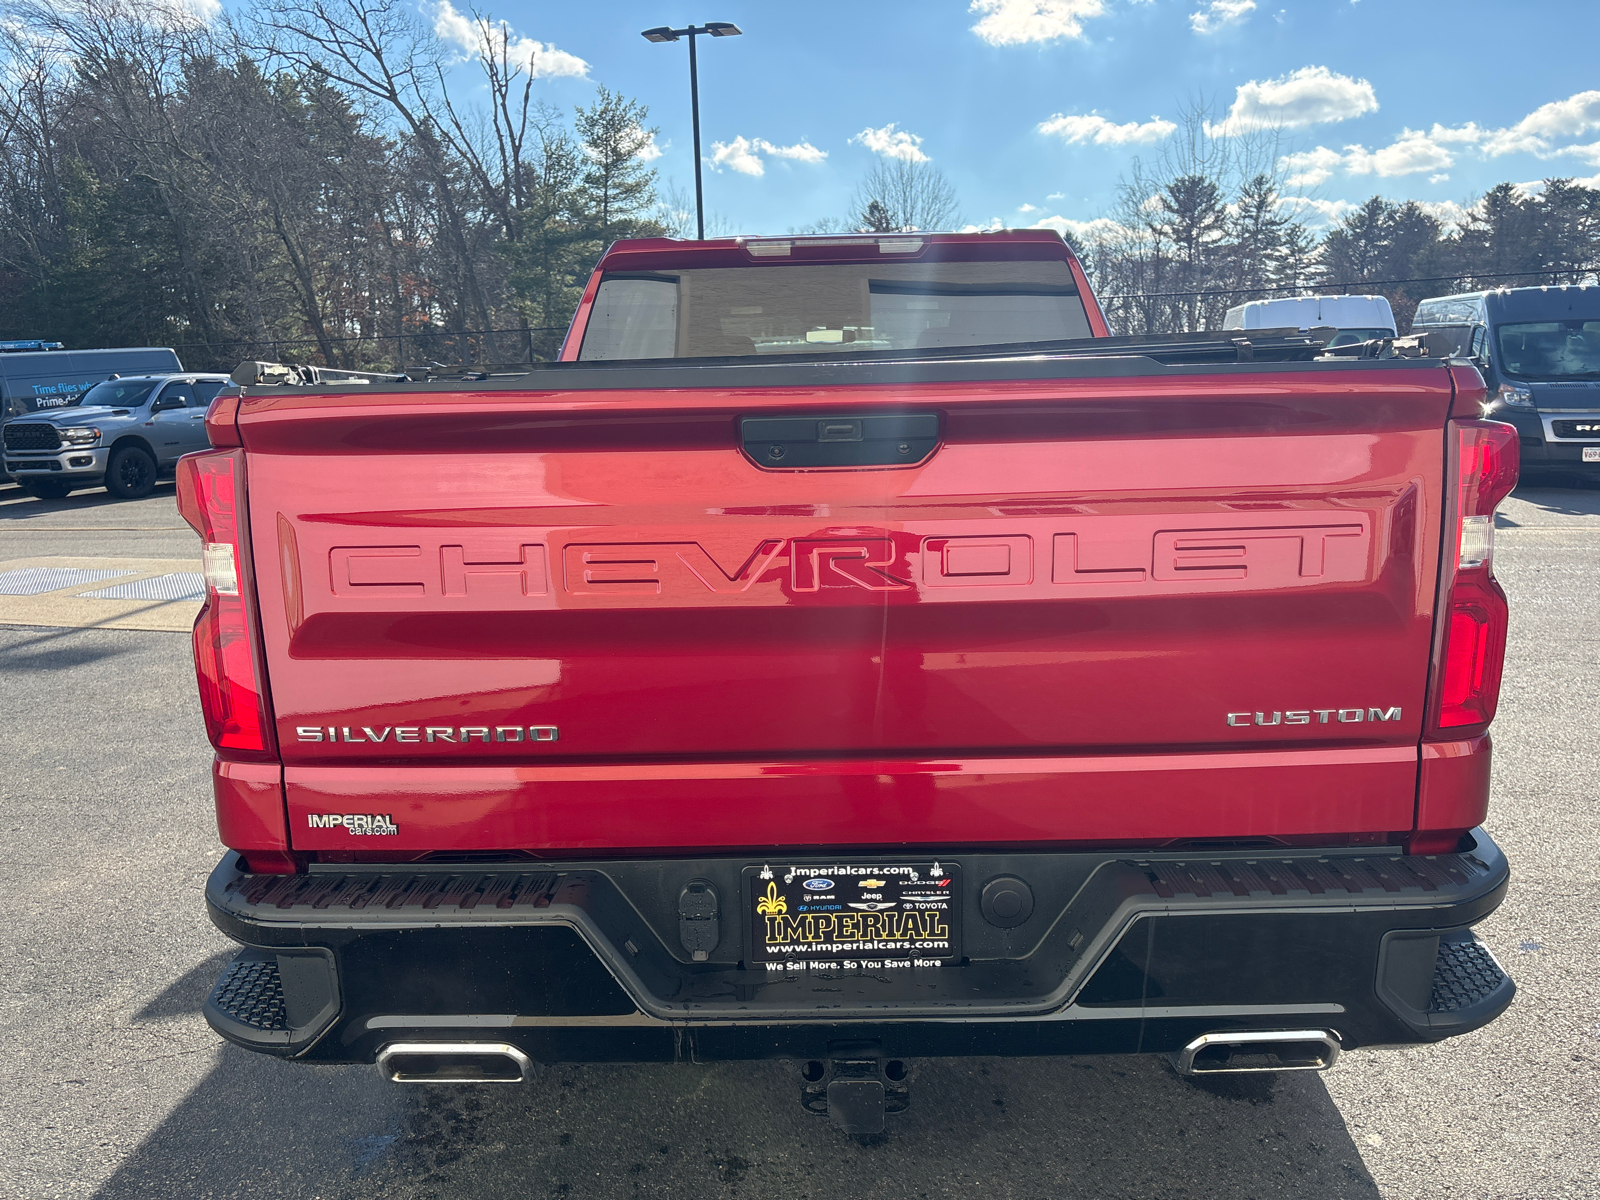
(665, 33)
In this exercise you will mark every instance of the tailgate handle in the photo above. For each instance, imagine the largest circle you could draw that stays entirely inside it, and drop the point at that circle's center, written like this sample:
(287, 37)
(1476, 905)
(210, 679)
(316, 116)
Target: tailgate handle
(865, 440)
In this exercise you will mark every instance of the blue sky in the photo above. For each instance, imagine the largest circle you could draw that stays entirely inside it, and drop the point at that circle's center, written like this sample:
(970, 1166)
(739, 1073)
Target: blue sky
(1034, 108)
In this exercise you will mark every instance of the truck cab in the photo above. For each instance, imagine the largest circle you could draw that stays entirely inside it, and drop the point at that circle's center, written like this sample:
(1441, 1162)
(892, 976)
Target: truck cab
(1539, 351)
(123, 432)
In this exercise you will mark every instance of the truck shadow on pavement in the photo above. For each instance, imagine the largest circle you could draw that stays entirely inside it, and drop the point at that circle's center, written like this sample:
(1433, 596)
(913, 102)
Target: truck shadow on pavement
(17, 504)
(1569, 502)
(186, 995)
(1109, 1127)
(53, 650)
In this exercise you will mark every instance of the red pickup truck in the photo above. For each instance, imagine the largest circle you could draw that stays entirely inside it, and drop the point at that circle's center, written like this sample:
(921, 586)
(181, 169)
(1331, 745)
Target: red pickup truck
(849, 653)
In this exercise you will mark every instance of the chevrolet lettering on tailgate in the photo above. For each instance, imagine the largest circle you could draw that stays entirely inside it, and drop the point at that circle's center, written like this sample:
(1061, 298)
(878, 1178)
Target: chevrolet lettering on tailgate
(1155, 554)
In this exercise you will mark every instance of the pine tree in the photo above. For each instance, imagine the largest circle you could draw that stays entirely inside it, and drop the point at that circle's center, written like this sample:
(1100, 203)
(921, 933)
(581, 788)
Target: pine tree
(618, 187)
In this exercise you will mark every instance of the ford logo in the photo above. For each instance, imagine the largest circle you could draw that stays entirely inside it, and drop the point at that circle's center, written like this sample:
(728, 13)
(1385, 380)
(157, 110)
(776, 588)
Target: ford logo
(819, 885)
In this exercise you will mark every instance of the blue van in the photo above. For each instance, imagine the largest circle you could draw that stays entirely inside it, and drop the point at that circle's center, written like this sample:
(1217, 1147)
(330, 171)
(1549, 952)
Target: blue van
(35, 375)
(43, 375)
(1539, 350)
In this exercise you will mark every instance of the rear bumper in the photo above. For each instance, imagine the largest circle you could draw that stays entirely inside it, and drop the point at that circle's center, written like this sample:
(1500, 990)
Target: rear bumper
(585, 961)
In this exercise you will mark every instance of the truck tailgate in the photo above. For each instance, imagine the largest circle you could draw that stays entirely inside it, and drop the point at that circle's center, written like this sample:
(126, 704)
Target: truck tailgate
(1161, 605)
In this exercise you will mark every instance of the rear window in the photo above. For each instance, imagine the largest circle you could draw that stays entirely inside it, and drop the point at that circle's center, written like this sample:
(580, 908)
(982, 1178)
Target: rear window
(831, 307)
(1448, 311)
(1460, 337)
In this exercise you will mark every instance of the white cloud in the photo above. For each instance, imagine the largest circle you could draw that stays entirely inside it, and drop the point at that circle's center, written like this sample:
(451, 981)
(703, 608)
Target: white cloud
(201, 12)
(1318, 214)
(1468, 133)
(1219, 14)
(481, 37)
(649, 152)
(739, 155)
(1589, 154)
(1087, 231)
(1311, 168)
(1447, 212)
(1095, 128)
(892, 143)
(1309, 96)
(1434, 152)
(744, 154)
(157, 14)
(799, 152)
(1027, 208)
(1056, 196)
(1016, 22)
(1410, 154)
(1576, 115)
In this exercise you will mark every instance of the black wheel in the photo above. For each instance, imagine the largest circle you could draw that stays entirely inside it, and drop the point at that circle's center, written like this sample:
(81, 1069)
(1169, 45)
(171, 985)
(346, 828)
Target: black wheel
(131, 473)
(47, 489)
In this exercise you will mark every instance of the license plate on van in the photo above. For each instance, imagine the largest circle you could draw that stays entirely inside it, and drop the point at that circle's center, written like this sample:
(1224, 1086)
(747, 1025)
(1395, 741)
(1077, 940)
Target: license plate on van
(870, 916)
(1591, 454)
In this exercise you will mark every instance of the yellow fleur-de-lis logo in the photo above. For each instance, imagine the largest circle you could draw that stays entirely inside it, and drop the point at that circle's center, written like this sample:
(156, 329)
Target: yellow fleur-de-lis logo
(771, 902)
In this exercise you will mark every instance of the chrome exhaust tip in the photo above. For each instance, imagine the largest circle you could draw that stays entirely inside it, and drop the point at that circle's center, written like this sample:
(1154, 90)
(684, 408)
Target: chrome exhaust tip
(454, 1062)
(1268, 1050)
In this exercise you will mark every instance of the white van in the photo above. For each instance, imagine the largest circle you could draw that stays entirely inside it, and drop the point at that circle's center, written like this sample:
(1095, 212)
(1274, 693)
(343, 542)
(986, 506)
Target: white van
(1357, 318)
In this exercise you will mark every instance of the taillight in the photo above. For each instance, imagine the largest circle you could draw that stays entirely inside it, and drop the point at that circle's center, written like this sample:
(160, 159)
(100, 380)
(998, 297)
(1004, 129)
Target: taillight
(1471, 642)
(211, 499)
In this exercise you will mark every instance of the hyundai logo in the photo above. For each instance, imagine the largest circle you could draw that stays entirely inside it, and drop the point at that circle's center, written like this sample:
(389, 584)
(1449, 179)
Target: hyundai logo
(818, 885)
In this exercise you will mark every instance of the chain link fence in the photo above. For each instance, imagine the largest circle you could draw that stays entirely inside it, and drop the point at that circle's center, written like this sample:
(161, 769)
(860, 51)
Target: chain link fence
(479, 349)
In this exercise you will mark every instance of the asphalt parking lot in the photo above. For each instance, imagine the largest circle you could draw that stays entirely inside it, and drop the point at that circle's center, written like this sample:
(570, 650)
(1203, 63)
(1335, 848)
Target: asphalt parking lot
(115, 1087)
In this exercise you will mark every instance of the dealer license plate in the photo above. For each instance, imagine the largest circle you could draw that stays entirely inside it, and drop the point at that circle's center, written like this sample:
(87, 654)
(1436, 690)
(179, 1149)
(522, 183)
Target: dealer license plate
(1591, 454)
(864, 915)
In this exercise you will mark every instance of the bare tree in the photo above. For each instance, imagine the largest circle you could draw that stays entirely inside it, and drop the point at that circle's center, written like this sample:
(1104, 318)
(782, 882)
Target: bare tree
(899, 195)
(1205, 223)
(379, 49)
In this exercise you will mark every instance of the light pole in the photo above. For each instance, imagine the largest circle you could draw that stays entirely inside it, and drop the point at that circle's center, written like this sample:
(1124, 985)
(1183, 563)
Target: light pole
(666, 33)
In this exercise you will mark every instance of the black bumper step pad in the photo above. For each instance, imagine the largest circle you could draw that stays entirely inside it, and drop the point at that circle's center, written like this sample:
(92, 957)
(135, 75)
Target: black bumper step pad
(432, 892)
(275, 1001)
(250, 992)
(1464, 974)
(1313, 877)
(476, 893)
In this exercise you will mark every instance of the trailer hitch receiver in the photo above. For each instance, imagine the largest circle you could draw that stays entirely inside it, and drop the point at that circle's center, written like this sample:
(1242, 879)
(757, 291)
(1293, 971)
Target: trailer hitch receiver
(855, 1092)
